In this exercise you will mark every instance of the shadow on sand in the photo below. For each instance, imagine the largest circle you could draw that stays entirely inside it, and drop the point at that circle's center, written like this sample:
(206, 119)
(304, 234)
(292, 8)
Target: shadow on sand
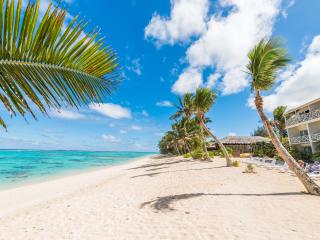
(165, 203)
(185, 170)
(155, 165)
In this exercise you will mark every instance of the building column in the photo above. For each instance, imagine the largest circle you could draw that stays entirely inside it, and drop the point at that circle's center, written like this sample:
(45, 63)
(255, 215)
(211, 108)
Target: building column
(310, 139)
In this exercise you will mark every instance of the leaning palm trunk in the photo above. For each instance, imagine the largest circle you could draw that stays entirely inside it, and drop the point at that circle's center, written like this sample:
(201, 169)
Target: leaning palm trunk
(187, 147)
(309, 184)
(177, 149)
(222, 147)
(204, 142)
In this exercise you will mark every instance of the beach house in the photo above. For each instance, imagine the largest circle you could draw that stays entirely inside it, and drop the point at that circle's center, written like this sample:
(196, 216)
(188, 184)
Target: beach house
(303, 126)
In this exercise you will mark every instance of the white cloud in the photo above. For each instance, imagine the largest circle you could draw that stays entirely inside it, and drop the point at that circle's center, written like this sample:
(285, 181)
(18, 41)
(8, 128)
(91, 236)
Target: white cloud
(65, 114)
(212, 79)
(284, 11)
(145, 113)
(111, 110)
(223, 43)
(136, 66)
(187, 19)
(136, 127)
(123, 131)
(302, 82)
(227, 41)
(110, 139)
(188, 81)
(232, 134)
(112, 125)
(164, 104)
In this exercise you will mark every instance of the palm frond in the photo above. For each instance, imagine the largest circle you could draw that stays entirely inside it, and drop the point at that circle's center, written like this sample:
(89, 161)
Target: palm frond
(265, 60)
(49, 63)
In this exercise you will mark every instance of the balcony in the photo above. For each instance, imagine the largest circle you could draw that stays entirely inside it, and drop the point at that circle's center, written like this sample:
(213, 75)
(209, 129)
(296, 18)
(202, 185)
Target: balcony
(300, 139)
(299, 118)
(315, 137)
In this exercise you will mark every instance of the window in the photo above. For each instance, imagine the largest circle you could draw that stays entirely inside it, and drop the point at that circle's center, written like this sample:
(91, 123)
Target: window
(303, 132)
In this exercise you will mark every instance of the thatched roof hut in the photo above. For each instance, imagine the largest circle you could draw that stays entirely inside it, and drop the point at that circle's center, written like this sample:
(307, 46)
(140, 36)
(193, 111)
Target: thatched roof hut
(240, 144)
(243, 140)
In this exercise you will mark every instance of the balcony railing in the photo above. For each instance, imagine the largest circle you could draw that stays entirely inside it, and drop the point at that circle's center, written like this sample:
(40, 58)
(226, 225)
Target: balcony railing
(299, 118)
(315, 137)
(300, 139)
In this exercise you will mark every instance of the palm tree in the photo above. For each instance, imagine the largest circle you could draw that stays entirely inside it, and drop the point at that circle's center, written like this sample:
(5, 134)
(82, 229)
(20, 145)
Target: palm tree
(279, 121)
(265, 60)
(182, 133)
(184, 109)
(202, 102)
(49, 64)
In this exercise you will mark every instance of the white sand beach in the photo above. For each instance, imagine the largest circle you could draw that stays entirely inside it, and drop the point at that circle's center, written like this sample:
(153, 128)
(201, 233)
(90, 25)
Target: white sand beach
(162, 198)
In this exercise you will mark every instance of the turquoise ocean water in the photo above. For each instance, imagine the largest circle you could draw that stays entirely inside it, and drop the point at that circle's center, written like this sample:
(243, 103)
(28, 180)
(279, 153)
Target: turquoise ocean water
(18, 167)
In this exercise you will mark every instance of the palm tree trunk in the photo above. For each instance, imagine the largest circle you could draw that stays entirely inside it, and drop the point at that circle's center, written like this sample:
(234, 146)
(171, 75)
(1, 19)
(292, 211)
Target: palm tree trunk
(188, 148)
(177, 150)
(204, 142)
(221, 146)
(309, 184)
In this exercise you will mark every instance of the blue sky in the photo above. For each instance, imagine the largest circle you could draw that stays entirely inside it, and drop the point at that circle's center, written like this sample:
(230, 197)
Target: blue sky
(169, 47)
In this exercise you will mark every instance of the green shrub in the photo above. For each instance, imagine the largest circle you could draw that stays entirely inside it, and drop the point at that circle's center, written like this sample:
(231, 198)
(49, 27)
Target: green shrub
(198, 154)
(300, 155)
(211, 154)
(219, 153)
(250, 168)
(236, 163)
(316, 156)
(263, 149)
(187, 155)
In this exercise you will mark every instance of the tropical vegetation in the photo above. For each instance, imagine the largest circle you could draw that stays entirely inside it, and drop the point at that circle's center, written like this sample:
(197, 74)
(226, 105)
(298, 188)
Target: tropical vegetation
(46, 63)
(189, 131)
(265, 61)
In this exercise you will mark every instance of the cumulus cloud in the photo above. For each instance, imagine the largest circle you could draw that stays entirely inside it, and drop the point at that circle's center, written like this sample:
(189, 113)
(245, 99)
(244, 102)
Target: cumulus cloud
(111, 110)
(164, 104)
(212, 79)
(187, 19)
(222, 44)
(188, 81)
(228, 39)
(301, 83)
(65, 114)
(110, 139)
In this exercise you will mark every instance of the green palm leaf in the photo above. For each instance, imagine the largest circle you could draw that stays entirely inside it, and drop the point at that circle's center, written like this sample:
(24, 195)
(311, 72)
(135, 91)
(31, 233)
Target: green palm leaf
(265, 60)
(48, 65)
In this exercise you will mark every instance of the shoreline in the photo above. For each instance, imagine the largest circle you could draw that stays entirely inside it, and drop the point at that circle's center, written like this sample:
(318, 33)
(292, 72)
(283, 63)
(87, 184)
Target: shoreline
(60, 184)
(63, 174)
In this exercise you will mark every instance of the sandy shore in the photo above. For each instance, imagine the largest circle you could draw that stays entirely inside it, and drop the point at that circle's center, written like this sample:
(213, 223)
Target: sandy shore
(162, 198)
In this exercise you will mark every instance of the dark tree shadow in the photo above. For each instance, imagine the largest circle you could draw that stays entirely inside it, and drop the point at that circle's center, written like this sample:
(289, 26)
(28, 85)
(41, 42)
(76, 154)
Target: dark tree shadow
(185, 170)
(165, 203)
(162, 156)
(147, 175)
(159, 164)
(155, 169)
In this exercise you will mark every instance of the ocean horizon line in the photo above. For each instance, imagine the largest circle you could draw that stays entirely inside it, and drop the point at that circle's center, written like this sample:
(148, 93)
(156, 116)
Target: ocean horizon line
(74, 150)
